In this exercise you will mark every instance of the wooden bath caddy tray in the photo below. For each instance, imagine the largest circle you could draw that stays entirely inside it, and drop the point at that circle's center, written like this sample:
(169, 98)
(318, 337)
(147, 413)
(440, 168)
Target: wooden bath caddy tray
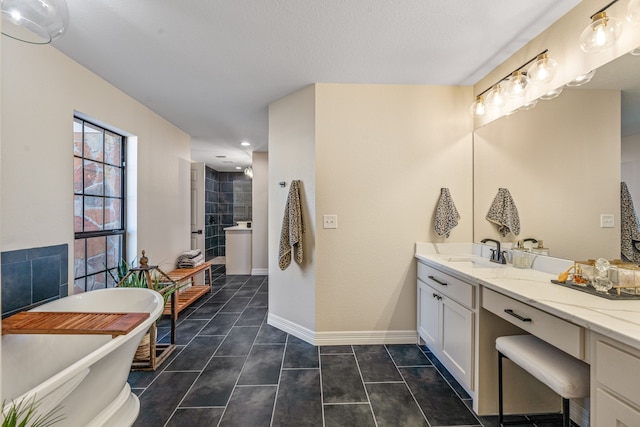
(44, 322)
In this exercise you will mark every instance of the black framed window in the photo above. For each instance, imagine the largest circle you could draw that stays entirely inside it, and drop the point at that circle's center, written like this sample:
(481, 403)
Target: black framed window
(98, 204)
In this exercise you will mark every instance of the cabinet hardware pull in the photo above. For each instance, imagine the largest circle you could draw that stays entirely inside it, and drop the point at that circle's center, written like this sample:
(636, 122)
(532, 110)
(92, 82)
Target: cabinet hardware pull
(517, 316)
(437, 281)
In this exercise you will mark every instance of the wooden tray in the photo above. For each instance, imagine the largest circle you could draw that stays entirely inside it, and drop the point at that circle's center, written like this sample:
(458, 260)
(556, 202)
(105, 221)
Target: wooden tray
(43, 322)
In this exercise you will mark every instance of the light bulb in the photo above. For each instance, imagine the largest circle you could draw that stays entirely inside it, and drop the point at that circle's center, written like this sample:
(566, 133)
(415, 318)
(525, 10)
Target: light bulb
(601, 34)
(633, 12)
(552, 94)
(582, 79)
(496, 97)
(478, 107)
(543, 70)
(517, 84)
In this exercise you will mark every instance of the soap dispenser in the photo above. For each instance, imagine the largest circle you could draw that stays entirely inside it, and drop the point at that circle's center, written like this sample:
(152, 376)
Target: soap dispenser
(520, 256)
(540, 250)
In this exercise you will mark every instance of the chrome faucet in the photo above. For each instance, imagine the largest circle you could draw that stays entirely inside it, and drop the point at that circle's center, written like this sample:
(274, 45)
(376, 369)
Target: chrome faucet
(496, 254)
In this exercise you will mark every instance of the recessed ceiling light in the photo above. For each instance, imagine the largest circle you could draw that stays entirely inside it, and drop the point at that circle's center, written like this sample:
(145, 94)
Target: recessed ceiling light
(238, 167)
(245, 143)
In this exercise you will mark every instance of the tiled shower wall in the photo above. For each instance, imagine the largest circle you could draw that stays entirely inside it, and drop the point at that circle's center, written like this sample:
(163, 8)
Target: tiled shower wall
(227, 200)
(31, 277)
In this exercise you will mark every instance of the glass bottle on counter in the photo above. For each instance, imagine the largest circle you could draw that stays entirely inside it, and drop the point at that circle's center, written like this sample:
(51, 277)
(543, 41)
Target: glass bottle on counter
(540, 250)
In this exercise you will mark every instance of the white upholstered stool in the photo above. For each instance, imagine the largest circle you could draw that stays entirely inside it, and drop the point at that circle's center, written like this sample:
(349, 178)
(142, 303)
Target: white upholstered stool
(564, 374)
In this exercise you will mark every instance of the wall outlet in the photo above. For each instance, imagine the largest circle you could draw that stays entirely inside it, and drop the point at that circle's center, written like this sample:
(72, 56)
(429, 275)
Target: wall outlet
(330, 221)
(607, 221)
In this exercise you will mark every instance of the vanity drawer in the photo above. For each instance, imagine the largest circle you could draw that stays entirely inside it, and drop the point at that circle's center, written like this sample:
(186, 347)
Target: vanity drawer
(562, 334)
(453, 288)
(616, 369)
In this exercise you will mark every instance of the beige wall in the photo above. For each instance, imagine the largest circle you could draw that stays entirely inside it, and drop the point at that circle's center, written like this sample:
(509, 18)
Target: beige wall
(260, 207)
(292, 155)
(561, 163)
(42, 89)
(382, 153)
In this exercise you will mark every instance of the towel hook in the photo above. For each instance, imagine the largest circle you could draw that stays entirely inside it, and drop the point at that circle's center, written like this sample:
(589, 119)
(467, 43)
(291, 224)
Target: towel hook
(283, 184)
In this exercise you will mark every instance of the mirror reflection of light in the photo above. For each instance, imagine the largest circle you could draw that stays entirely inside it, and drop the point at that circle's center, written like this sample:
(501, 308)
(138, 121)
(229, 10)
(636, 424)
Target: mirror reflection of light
(16, 16)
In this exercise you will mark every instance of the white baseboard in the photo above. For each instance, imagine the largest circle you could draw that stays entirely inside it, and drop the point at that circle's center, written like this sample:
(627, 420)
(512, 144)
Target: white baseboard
(366, 337)
(343, 337)
(259, 271)
(294, 329)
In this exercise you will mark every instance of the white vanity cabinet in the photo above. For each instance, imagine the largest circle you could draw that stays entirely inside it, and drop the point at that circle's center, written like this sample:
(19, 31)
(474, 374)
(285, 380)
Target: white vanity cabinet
(446, 320)
(615, 389)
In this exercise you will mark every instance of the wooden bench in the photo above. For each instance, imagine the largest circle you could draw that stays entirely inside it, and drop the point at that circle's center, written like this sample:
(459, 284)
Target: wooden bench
(185, 297)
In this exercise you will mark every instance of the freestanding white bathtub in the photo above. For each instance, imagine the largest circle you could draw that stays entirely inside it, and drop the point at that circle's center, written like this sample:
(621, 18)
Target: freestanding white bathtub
(85, 374)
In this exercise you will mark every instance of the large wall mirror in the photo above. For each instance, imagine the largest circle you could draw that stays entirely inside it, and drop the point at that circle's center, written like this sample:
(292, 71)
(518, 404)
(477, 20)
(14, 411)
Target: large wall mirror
(563, 162)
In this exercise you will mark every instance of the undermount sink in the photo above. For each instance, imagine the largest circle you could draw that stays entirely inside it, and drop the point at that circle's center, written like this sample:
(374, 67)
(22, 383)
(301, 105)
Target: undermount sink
(475, 262)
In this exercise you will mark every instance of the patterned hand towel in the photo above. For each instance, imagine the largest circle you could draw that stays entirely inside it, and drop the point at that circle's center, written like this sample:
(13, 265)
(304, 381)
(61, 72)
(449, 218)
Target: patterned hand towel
(503, 212)
(447, 215)
(629, 226)
(292, 229)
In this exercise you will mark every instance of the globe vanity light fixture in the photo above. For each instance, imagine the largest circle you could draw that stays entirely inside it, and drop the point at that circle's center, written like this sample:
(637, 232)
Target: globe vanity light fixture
(541, 70)
(602, 33)
(34, 21)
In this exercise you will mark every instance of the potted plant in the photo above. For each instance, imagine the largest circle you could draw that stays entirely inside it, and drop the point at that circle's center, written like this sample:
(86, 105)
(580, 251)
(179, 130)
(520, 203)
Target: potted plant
(24, 414)
(124, 277)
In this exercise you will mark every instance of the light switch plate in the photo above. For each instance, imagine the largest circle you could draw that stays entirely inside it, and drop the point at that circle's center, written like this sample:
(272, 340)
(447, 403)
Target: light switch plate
(330, 221)
(607, 221)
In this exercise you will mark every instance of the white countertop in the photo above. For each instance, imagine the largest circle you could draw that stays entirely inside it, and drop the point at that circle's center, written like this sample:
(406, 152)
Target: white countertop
(618, 319)
(238, 228)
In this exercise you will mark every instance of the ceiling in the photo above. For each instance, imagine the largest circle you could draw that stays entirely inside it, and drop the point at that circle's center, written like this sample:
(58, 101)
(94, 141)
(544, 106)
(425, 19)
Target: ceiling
(211, 67)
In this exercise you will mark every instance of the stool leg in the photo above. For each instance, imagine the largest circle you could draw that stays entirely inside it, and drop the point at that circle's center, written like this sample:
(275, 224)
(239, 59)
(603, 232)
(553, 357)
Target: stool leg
(566, 413)
(500, 407)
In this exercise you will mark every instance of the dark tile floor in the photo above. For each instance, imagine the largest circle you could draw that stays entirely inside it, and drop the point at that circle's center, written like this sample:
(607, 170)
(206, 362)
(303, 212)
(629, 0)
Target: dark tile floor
(232, 369)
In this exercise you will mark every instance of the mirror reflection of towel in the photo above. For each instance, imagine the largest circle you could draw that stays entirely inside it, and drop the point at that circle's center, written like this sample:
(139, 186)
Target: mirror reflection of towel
(447, 215)
(503, 211)
(629, 226)
(292, 229)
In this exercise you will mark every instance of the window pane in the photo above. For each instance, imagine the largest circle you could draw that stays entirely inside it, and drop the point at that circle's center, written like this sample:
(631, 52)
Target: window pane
(96, 256)
(112, 145)
(112, 214)
(97, 281)
(114, 247)
(77, 137)
(93, 211)
(79, 286)
(78, 258)
(93, 178)
(93, 138)
(77, 214)
(110, 282)
(77, 175)
(112, 176)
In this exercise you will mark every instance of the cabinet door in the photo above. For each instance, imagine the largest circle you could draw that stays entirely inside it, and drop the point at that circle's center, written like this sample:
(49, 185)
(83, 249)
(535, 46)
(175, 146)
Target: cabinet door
(428, 316)
(612, 412)
(457, 340)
